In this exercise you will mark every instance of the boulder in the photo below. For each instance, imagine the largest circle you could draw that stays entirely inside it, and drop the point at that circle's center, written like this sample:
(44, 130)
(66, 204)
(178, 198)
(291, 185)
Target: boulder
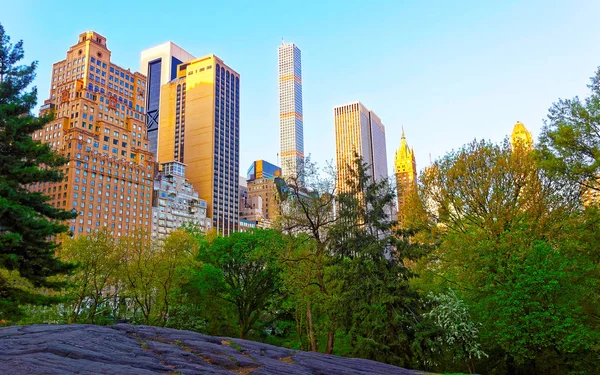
(143, 350)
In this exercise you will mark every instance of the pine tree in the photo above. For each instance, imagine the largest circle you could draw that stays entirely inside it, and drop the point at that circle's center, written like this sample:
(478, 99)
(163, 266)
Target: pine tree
(28, 222)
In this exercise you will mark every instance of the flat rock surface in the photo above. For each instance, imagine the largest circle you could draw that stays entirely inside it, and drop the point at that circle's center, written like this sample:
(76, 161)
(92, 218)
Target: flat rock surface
(144, 350)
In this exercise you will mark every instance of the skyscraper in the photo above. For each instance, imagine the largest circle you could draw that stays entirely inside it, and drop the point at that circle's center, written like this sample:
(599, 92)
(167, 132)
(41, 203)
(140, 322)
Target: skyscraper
(359, 130)
(159, 64)
(405, 167)
(99, 127)
(262, 169)
(291, 128)
(199, 126)
(520, 135)
(260, 201)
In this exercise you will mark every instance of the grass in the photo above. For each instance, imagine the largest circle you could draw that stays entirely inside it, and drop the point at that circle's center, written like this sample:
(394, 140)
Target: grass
(232, 344)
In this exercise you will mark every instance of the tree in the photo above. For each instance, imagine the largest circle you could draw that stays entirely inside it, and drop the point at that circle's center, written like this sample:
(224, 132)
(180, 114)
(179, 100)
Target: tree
(570, 139)
(460, 335)
(28, 222)
(490, 207)
(151, 272)
(539, 317)
(242, 270)
(376, 309)
(94, 282)
(175, 258)
(306, 205)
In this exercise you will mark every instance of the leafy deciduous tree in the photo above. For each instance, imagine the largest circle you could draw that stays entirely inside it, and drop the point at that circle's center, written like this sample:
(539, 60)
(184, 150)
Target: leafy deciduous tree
(242, 269)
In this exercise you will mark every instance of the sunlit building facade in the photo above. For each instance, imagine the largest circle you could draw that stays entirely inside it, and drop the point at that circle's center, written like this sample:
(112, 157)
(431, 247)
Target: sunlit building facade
(521, 136)
(291, 127)
(359, 130)
(258, 199)
(99, 126)
(159, 65)
(175, 203)
(405, 169)
(199, 126)
(262, 169)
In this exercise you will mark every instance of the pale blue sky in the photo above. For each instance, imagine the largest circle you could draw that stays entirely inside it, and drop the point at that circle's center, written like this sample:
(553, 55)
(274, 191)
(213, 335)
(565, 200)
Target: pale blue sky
(448, 71)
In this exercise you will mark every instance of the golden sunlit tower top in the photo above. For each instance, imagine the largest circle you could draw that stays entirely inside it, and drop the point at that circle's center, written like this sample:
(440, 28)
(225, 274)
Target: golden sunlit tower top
(405, 158)
(405, 167)
(521, 135)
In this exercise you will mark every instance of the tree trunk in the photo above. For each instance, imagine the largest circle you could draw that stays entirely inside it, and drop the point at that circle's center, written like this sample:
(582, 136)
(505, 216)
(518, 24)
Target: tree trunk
(298, 328)
(330, 342)
(94, 308)
(311, 333)
(75, 315)
(511, 368)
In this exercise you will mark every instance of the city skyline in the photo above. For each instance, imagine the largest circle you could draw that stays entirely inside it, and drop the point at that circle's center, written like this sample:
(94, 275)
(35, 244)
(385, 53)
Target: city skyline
(451, 88)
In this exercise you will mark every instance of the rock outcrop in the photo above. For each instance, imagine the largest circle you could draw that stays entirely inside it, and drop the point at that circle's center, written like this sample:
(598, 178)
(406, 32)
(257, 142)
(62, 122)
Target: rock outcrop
(143, 350)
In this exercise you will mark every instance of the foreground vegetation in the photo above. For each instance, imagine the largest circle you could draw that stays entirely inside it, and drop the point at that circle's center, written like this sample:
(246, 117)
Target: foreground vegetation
(494, 270)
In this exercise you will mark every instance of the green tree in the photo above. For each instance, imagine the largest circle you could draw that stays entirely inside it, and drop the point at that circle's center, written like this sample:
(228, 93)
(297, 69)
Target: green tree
(306, 206)
(28, 222)
(300, 263)
(569, 144)
(94, 282)
(460, 335)
(153, 273)
(539, 317)
(490, 207)
(242, 270)
(376, 309)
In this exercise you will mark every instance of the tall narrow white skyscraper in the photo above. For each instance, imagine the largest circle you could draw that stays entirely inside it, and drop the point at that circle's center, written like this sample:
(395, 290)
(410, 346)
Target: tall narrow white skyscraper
(291, 132)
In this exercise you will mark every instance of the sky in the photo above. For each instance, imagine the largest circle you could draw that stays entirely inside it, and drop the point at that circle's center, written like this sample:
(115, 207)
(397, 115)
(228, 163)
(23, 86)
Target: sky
(446, 71)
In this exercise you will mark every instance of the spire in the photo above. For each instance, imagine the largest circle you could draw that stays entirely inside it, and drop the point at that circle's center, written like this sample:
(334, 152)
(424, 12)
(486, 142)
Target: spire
(405, 156)
(521, 135)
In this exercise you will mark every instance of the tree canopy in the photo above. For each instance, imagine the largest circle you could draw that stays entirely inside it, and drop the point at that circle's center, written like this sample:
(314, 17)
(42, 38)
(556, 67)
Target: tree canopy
(28, 222)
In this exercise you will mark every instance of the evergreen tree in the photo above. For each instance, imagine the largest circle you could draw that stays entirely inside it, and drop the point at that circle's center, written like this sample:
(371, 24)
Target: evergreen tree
(27, 221)
(378, 311)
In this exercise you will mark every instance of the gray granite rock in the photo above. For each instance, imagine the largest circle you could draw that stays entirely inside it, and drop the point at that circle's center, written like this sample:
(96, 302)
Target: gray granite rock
(142, 350)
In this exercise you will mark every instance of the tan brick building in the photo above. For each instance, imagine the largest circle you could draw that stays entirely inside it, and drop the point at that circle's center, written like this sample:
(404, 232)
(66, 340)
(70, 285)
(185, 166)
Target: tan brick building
(99, 127)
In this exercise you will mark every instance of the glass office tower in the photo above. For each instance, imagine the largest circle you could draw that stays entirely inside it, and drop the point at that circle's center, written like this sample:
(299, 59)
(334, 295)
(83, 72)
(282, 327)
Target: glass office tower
(200, 126)
(262, 169)
(159, 64)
